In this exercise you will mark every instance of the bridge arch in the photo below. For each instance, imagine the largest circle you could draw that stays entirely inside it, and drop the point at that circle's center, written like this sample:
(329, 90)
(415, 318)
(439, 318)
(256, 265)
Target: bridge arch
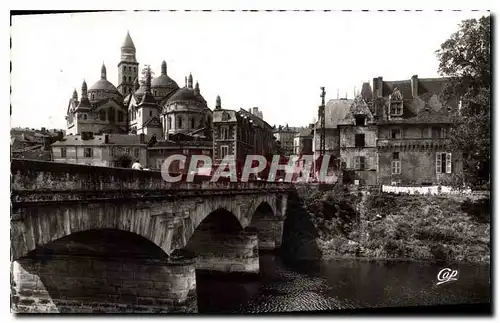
(42, 225)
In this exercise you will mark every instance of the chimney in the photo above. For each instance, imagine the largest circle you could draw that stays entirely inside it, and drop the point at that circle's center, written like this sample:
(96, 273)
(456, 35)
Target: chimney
(414, 86)
(43, 129)
(255, 111)
(86, 135)
(141, 138)
(47, 141)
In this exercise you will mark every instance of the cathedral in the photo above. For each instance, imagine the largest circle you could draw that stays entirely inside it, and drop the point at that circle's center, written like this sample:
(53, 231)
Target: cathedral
(158, 107)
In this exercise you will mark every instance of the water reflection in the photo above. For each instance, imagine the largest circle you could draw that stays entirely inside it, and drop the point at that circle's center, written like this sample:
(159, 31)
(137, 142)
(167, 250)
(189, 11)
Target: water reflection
(338, 284)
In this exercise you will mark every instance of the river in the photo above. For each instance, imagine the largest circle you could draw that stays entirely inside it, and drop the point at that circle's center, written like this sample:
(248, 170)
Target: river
(339, 284)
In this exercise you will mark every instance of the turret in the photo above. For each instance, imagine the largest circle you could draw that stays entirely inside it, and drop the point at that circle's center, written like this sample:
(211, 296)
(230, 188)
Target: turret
(197, 89)
(136, 84)
(163, 68)
(218, 104)
(103, 71)
(190, 81)
(75, 95)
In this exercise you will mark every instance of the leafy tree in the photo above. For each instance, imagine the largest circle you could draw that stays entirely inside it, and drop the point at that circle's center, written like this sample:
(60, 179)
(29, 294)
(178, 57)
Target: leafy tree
(465, 58)
(142, 80)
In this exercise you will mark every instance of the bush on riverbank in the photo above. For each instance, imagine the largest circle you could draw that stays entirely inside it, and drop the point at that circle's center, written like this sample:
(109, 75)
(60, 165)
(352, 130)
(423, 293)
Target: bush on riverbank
(386, 226)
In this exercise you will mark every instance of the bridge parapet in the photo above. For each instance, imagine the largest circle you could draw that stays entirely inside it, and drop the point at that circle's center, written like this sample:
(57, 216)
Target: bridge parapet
(39, 181)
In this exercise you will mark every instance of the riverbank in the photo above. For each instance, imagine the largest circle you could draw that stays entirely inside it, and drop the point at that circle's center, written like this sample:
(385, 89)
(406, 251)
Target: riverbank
(382, 226)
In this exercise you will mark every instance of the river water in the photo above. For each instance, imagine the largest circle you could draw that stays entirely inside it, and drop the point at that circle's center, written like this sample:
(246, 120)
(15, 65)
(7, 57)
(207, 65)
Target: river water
(339, 284)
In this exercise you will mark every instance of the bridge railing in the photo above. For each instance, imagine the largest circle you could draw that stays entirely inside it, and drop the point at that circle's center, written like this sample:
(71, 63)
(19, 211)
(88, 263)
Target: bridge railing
(34, 175)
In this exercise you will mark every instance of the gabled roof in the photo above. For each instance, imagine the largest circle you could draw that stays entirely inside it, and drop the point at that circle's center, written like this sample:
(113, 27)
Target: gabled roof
(153, 122)
(358, 107)
(335, 110)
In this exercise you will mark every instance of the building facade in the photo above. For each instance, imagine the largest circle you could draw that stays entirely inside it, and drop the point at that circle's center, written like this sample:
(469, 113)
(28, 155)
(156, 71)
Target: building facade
(240, 133)
(108, 150)
(394, 134)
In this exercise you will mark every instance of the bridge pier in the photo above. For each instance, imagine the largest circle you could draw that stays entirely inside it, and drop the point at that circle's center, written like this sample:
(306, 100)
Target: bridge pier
(103, 272)
(226, 252)
(270, 232)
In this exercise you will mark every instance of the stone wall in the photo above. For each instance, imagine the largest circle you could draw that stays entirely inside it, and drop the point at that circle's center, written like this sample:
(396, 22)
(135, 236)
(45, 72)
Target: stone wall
(417, 167)
(71, 284)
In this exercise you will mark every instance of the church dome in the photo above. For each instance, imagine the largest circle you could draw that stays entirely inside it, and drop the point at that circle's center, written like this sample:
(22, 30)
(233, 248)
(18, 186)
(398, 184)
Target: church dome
(186, 95)
(103, 89)
(104, 85)
(164, 81)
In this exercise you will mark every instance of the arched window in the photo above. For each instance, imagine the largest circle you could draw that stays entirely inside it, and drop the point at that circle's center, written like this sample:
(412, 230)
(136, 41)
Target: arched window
(130, 69)
(124, 79)
(192, 123)
(92, 97)
(111, 114)
(124, 69)
(102, 115)
(179, 122)
(129, 90)
(135, 69)
(169, 122)
(130, 79)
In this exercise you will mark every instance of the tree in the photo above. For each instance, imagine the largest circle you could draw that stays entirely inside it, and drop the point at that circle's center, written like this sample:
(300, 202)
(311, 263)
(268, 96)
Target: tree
(142, 80)
(465, 58)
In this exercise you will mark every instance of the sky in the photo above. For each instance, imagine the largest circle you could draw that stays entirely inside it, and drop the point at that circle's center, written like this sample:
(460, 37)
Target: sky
(276, 61)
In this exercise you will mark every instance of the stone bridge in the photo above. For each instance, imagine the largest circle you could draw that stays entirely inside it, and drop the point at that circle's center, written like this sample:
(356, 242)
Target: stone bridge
(98, 239)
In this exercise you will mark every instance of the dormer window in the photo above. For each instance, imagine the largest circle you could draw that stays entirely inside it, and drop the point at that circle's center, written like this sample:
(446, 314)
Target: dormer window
(396, 109)
(360, 120)
(396, 103)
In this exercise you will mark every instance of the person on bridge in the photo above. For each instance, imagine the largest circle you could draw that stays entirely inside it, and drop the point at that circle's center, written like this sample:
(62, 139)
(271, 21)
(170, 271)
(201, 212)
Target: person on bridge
(137, 165)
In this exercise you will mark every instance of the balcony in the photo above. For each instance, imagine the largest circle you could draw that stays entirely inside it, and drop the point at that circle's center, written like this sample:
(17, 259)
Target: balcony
(414, 143)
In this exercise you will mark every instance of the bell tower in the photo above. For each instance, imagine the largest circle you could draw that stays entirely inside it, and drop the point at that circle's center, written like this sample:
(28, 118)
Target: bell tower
(128, 68)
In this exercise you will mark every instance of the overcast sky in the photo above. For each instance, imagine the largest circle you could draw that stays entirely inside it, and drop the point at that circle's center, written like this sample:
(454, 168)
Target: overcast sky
(276, 61)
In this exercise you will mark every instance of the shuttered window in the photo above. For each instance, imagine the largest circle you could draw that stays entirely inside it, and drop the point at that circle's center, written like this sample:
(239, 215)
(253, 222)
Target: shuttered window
(443, 163)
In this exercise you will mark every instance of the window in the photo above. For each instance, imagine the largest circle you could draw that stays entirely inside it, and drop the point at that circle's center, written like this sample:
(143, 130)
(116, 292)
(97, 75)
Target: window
(63, 152)
(360, 120)
(130, 69)
(396, 167)
(396, 109)
(124, 69)
(88, 153)
(150, 113)
(135, 69)
(359, 140)
(192, 123)
(127, 151)
(84, 117)
(224, 150)
(443, 163)
(169, 122)
(124, 77)
(359, 162)
(224, 133)
(129, 90)
(396, 133)
(179, 122)
(436, 132)
(395, 155)
(130, 79)
(111, 114)
(102, 115)
(136, 152)
(120, 116)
